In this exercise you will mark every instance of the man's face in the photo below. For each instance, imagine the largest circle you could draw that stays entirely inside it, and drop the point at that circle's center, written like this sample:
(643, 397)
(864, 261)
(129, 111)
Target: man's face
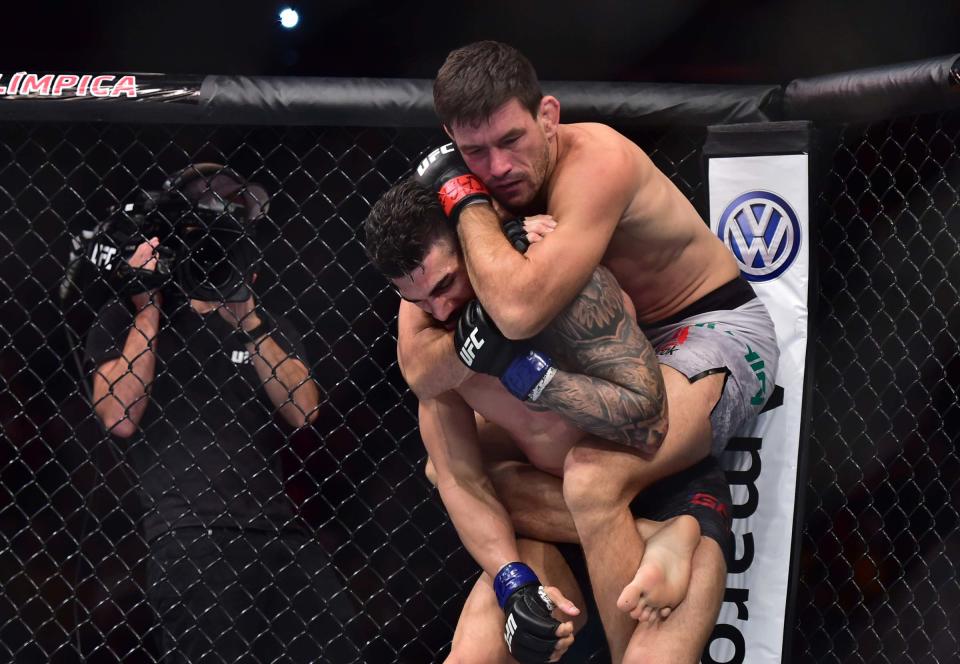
(440, 286)
(510, 151)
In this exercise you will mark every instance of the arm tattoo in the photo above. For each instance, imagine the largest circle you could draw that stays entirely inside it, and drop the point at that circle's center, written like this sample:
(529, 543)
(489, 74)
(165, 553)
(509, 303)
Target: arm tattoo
(610, 384)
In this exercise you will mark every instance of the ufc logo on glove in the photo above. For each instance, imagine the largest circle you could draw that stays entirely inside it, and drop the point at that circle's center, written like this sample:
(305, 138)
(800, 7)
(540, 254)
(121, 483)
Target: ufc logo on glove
(468, 352)
(432, 157)
(509, 629)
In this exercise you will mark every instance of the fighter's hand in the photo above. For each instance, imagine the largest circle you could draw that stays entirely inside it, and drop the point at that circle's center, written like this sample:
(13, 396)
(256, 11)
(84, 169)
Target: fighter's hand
(531, 630)
(529, 230)
(482, 348)
(144, 258)
(563, 613)
(444, 172)
(145, 255)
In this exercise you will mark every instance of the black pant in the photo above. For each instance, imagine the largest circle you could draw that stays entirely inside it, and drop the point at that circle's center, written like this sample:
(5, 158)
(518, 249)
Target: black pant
(228, 595)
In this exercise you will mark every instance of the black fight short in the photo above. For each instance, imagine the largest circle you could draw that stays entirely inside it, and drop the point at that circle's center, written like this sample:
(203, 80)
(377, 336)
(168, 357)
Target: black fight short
(702, 492)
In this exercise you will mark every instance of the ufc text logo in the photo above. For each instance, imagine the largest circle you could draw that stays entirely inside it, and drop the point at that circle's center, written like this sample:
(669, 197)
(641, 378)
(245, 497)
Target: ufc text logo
(468, 352)
(102, 254)
(432, 157)
(509, 630)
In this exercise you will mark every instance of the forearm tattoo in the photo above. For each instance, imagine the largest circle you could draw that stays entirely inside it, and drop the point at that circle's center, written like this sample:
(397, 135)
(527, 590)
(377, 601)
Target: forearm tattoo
(610, 383)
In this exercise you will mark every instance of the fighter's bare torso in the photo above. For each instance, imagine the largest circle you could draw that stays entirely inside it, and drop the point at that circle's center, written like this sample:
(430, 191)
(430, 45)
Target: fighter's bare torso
(543, 437)
(661, 252)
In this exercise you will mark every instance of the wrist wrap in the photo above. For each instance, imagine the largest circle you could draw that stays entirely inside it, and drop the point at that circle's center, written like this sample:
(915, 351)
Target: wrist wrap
(460, 192)
(266, 326)
(528, 374)
(511, 578)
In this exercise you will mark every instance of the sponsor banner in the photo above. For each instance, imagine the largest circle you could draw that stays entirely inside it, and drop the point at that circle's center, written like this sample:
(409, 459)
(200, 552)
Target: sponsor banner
(759, 207)
(27, 84)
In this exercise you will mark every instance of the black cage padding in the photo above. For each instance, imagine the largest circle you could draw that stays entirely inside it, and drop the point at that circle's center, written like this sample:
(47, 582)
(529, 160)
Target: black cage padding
(882, 92)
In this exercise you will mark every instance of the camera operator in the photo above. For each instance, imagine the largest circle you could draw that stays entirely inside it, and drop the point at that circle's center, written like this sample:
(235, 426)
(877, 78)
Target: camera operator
(193, 371)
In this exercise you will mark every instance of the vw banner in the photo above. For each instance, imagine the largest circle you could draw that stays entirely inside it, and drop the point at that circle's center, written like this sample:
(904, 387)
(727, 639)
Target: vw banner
(760, 208)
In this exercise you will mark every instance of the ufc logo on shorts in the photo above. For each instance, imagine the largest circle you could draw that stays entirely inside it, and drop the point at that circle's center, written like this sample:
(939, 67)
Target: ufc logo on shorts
(509, 630)
(706, 500)
(432, 157)
(468, 352)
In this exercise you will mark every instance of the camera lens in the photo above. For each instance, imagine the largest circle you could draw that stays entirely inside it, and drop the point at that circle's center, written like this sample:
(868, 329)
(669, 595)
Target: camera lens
(215, 261)
(210, 262)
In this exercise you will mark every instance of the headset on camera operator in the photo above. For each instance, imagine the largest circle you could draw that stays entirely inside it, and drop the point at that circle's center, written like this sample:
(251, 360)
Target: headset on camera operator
(192, 369)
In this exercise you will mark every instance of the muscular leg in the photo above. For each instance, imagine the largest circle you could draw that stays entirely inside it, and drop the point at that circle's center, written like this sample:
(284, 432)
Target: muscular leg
(532, 497)
(536, 502)
(681, 638)
(479, 634)
(601, 479)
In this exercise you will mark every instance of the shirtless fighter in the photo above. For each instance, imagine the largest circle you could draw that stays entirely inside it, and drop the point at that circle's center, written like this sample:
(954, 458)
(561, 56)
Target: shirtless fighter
(591, 370)
(613, 207)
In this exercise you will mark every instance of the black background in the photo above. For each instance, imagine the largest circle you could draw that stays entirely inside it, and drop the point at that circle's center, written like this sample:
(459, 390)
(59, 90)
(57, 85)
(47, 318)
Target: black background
(753, 41)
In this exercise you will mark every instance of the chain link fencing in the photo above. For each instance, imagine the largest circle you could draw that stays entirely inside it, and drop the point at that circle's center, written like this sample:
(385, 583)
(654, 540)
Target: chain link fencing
(877, 577)
(880, 543)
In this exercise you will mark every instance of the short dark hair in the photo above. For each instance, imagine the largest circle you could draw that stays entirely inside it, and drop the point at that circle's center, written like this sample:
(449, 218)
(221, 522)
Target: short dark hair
(479, 78)
(402, 227)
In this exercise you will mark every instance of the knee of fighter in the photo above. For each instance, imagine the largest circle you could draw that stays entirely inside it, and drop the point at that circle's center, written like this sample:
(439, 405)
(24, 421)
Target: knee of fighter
(430, 472)
(582, 459)
(588, 484)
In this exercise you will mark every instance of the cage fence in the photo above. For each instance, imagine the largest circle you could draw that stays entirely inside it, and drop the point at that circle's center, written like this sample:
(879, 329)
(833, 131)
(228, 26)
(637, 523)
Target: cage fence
(876, 577)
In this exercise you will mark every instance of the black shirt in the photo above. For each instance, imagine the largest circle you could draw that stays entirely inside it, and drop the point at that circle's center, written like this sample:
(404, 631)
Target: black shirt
(208, 449)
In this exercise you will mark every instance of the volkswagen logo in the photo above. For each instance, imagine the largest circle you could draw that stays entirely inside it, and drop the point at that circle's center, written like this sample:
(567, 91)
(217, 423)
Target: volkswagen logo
(763, 232)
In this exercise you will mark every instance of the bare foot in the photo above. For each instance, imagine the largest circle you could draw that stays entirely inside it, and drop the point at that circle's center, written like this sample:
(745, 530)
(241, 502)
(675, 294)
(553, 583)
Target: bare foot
(663, 577)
